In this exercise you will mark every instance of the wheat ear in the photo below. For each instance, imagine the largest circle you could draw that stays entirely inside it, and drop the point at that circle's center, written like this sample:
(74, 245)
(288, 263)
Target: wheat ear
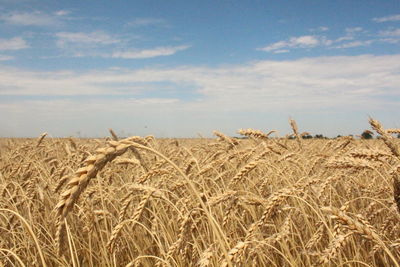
(362, 228)
(388, 139)
(40, 139)
(113, 134)
(136, 217)
(93, 164)
(295, 129)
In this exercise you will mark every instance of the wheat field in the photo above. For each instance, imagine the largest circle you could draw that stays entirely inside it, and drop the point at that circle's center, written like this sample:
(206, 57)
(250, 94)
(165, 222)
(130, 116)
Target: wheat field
(261, 200)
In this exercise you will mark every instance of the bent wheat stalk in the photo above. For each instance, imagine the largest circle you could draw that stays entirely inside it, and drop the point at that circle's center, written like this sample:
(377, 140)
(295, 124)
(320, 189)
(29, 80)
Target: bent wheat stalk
(389, 142)
(363, 228)
(75, 186)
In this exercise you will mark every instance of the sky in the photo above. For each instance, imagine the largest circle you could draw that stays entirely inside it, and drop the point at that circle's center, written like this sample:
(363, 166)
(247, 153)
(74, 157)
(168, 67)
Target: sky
(186, 68)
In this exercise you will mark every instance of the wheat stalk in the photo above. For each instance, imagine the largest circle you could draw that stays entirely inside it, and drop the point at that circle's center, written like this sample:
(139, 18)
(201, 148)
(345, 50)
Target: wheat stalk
(80, 181)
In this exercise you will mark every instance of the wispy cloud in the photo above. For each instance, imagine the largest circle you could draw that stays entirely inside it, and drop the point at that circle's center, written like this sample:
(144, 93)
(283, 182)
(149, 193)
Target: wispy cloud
(352, 30)
(340, 84)
(294, 80)
(15, 43)
(347, 37)
(353, 37)
(149, 53)
(97, 37)
(5, 57)
(354, 44)
(36, 18)
(387, 18)
(390, 36)
(62, 12)
(305, 41)
(142, 22)
(390, 40)
(390, 33)
(281, 51)
(320, 29)
(302, 41)
(102, 44)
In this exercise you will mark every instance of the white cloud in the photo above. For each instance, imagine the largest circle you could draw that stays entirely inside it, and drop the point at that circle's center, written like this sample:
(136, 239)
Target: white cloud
(102, 44)
(351, 38)
(30, 19)
(281, 51)
(338, 84)
(390, 33)
(6, 57)
(355, 44)
(390, 36)
(351, 35)
(390, 40)
(97, 37)
(319, 29)
(149, 53)
(141, 22)
(353, 30)
(343, 38)
(275, 46)
(387, 18)
(62, 12)
(299, 81)
(153, 101)
(15, 43)
(305, 41)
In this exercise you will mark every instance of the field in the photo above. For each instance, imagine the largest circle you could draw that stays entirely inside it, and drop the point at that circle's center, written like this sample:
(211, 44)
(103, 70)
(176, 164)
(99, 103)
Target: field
(255, 201)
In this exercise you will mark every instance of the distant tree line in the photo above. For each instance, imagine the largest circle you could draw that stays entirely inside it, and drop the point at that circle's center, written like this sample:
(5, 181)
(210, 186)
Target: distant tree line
(317, 136)
(367, 134)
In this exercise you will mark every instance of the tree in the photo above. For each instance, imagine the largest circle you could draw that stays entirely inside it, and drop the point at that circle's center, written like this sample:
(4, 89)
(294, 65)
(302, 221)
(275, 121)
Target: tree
(398, 135)
(367, 134)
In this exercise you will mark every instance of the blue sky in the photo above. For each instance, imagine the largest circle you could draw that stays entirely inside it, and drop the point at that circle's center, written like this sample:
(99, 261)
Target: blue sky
(182, 68)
